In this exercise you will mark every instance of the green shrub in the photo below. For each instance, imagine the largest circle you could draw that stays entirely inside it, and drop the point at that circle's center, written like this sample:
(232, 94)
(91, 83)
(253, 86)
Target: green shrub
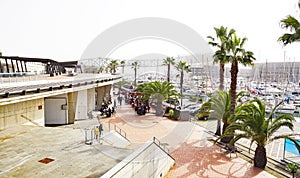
(171, 113)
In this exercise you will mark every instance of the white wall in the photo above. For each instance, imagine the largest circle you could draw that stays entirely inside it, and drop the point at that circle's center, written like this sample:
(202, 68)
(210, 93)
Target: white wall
(81, 107)
(147, 161)
(54, 113)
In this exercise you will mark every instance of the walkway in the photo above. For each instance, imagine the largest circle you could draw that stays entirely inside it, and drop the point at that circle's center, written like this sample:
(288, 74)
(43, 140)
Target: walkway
(194, 155)
(32, 151)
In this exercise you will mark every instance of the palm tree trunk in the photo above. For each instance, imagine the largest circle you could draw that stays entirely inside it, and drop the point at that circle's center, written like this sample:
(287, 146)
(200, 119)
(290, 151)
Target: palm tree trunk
(218, 131)
(169, 68)
(260, 157)
(181, 88)
(222, 67)
(234, 71)
(135, 77)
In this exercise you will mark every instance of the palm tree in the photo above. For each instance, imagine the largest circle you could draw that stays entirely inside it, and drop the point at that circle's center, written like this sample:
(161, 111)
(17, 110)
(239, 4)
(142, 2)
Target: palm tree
(250, 122)
(158, 91)
(101, 69)
(122, 65)
(168, 62)
(182, 67)
(220, 55)
(135, 66)
(220, 103)
(293, 24)
(237, 55)
(293, 168)
(113, 66)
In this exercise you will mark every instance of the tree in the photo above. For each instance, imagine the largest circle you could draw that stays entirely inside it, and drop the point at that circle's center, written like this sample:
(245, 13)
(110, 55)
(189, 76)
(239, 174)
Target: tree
(158, 91)
(135, 66)
(293, 168)
(220, 103)
(120, 84)
(113, 66)
(122, 65)
(220, 55)
(182, 67)
(101, 69)
(250, 122)
(237, 54)
(168, 62)
(293, 24)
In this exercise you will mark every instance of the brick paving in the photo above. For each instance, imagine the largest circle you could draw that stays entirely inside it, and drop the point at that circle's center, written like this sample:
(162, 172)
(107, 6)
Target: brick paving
(194, 155)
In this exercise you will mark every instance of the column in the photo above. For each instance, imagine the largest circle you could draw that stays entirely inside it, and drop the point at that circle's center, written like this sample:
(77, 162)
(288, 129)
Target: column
(72, 99)
(100, 96)
(91, 99)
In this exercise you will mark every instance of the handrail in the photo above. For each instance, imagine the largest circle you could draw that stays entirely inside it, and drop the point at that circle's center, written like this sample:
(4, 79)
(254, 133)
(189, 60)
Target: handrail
(163, 146)
(30, 120)
(119, 130)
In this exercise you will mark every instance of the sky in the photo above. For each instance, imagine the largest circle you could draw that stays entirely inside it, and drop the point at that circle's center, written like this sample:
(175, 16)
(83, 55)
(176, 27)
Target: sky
(62, 29)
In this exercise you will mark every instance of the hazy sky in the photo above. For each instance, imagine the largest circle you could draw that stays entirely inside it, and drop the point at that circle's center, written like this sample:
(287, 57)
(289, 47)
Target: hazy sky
(62, 29)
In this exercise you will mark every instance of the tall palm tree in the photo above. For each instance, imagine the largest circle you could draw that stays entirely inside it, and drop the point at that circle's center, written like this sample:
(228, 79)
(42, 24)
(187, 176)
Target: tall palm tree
(182, 67)
(220, 55)
(158, 91)
(237, 54)
(250, 122)
(168, 62)
(293, 24)
(122, 65)
(135, 66)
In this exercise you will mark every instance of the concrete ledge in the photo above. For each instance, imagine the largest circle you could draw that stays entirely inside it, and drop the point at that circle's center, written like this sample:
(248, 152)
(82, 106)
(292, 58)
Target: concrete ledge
(147, 161)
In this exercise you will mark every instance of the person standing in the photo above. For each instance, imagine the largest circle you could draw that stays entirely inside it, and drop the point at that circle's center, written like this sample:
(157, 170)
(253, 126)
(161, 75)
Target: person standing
(96, 129)
(101, 129)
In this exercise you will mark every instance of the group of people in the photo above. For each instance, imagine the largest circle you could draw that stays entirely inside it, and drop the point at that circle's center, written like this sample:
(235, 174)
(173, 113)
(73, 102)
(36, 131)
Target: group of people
(140, 106)
(106, 109)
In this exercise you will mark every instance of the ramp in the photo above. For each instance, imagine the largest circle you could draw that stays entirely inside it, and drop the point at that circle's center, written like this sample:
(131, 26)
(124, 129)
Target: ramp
(150, 160)
(113, 138)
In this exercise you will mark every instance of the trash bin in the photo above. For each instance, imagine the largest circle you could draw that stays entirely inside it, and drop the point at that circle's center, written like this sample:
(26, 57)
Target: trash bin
(89, 136)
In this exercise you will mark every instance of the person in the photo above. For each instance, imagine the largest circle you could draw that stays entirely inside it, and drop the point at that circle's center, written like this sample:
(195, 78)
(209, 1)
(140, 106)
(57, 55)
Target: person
(96, 133)
(101, 129)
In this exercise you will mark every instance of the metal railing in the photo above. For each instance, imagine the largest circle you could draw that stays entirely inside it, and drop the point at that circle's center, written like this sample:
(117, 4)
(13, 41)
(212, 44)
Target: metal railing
(163, 146)
(117, 129)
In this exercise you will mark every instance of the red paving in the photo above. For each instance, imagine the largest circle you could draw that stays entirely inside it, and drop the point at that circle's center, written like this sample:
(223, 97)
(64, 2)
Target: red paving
(196, 157)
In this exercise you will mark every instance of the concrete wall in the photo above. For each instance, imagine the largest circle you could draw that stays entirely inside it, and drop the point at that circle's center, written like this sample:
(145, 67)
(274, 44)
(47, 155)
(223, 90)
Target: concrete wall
(147, 161)
(91, 100)
(81, 106)
(72, 102)
(24, 112)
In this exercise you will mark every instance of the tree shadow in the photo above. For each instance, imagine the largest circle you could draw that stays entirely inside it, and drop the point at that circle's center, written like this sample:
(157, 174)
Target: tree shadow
(206, 160)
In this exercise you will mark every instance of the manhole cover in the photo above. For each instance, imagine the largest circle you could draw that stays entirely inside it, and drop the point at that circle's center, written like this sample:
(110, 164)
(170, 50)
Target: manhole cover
(46, 160)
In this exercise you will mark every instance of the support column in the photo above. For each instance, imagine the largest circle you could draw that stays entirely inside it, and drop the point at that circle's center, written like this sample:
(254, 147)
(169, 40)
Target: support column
(107, 91)
(91, 99)
(12, 66)
(7, 68)
(81, 106)
(72, 101)
(100, 96)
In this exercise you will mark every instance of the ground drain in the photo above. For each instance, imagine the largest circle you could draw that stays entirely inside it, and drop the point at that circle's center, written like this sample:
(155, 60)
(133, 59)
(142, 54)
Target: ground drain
(46, 160)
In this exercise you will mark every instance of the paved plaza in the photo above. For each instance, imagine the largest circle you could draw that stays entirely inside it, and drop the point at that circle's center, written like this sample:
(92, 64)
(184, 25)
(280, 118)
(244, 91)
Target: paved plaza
(32, 151)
